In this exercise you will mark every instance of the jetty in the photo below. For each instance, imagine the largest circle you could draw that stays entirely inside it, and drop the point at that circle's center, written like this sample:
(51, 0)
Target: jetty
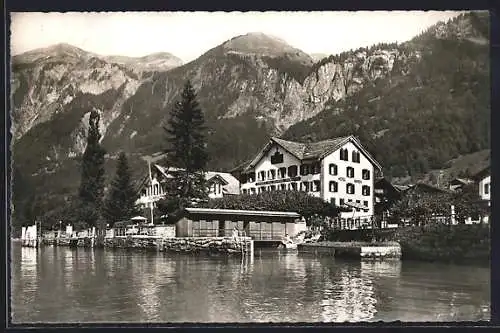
(361, 250)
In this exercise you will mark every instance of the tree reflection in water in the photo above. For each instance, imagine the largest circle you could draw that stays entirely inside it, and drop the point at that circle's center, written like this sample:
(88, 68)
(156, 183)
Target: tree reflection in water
(65, 285)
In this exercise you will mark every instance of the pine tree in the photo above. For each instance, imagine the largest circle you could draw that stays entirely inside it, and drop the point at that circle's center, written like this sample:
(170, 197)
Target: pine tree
(92, 177)
(187, 146)
(120, 203)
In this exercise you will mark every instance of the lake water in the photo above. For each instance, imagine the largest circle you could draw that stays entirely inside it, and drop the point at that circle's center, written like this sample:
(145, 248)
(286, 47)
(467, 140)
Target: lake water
(63, 285)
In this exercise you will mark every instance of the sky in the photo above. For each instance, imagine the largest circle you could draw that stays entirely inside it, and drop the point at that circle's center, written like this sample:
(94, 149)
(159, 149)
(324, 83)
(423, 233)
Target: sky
(188, 35)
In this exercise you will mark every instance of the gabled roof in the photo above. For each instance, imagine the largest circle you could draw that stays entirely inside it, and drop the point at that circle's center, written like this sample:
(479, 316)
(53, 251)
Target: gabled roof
(313, 150)
(240, 167)
(426, 188)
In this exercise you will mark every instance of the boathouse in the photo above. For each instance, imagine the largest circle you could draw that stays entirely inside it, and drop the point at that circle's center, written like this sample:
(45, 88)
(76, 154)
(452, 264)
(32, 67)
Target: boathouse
(259, 225)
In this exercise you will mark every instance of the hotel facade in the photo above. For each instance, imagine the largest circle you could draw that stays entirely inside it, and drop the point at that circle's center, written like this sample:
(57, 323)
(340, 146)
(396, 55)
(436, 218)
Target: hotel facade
(337, 170)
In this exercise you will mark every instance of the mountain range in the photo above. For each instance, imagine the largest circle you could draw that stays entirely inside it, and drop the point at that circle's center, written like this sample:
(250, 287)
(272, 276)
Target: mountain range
(415, 105)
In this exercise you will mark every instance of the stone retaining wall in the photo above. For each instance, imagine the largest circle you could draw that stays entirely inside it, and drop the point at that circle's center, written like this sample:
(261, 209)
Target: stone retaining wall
(209, 245)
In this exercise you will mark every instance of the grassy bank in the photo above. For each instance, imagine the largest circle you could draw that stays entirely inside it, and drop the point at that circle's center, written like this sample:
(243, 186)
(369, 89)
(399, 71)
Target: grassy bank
(437, 242)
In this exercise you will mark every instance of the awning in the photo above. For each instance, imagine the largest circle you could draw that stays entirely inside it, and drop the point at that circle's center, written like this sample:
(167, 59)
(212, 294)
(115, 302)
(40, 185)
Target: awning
(139, 218)
(355, 205)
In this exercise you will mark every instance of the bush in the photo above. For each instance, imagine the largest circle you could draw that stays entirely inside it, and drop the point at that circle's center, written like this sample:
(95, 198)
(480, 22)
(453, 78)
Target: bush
(290, 201)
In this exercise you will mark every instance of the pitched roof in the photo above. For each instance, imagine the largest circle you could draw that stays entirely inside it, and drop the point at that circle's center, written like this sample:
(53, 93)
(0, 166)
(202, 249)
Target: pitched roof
(312, 150)
(482, 173)
(427, 188)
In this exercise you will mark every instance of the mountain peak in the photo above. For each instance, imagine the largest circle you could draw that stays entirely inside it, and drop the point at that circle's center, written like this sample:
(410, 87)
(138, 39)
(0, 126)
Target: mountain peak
(53, 51)
(260, 44)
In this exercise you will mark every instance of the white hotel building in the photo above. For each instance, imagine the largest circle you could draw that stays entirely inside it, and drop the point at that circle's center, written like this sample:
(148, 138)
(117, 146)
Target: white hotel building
(338, 170)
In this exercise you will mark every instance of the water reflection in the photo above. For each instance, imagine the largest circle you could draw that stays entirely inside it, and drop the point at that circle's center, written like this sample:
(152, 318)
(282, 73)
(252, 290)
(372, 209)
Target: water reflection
(64, 285)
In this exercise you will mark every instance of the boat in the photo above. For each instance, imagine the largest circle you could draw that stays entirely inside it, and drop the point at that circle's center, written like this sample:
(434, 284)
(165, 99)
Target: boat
(290, 245)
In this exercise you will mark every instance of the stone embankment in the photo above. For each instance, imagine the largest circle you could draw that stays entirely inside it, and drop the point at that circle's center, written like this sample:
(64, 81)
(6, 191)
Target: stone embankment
(194, 245)
(364, 250)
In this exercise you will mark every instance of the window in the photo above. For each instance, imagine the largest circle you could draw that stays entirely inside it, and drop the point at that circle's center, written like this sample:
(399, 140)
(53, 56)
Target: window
(292, 171)
(315, 185)
(365, 174)
(272, 188)
(244, 191)
(282, 172)
(304, 169)
(282, 186)
(252, 190)
(350, 172)
(304, 186)
(271, 174)
(356, 157)
(486, 188)
(344, 154)
(262, 175)
(365, 190)
(342, 202)
(350, 188)
(316, 168)
(365, 203)
(334, 186)
(333, 169)
(358, 202)
(332, 201)
(251, 177)
(276, 158)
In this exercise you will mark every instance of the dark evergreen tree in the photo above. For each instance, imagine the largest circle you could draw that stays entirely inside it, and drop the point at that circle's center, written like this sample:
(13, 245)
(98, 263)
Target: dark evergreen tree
(92, 176)
(120, 203)
(186, 148)
(186, 155)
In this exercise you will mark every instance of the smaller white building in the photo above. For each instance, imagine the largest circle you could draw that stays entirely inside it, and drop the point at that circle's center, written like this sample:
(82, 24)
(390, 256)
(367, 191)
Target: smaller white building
(154, 187)
(483, 179)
